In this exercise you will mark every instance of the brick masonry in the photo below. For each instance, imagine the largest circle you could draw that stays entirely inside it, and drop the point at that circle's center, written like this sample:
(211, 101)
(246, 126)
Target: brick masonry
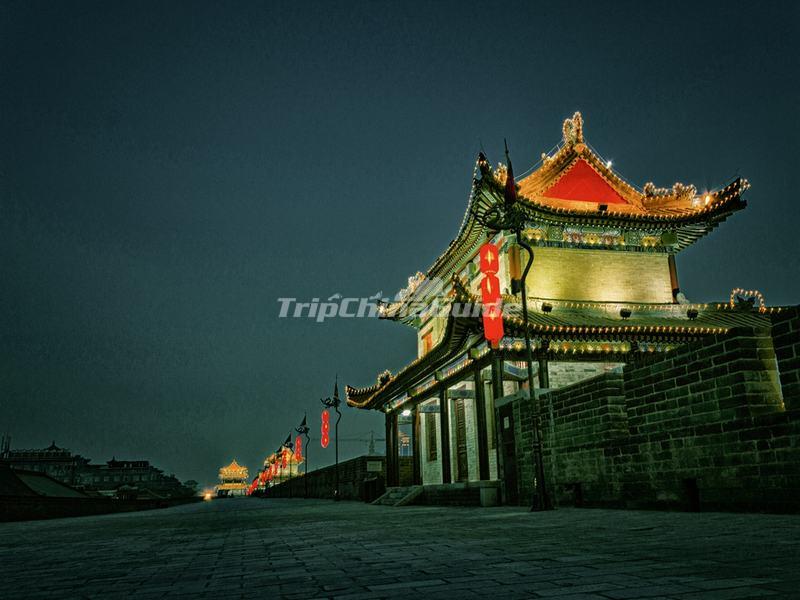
(711, 425)
(786, 337)
(353, 477)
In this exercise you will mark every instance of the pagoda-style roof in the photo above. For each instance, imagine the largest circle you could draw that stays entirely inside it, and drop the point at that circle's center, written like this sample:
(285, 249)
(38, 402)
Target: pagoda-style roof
(455, 340)
(576, 181)
(233, 471)
(575, 190)
(559, 328)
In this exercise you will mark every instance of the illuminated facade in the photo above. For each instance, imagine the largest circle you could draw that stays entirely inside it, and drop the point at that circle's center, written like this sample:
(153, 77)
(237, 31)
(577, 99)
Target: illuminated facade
(603, 293)
(233, 480)
(279, 467)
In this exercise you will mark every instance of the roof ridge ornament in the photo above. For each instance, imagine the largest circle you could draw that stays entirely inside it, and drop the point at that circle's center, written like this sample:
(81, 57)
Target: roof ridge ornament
(679, 191)
(573, 129)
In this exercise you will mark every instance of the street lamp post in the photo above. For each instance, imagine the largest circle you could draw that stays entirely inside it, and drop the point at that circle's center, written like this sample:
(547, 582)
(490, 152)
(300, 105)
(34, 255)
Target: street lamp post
(288, 446)
(511, 216)
(303, 430)
(334, 403)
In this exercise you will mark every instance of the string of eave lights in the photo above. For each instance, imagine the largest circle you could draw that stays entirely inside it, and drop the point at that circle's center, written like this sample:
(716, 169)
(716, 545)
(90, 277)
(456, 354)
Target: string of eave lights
(712, 205)
(745, 295)
(593, 348)
(615, 330)
(651, 308)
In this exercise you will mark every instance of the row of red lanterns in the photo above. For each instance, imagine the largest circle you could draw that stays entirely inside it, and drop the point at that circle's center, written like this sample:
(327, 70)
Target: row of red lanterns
(490, 294)
(325, 429)
(275, 467)
(272, 471)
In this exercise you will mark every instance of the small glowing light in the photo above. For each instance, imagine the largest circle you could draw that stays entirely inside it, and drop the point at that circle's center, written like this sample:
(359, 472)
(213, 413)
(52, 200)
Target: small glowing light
(608, 164)
(207, 496)
(406, 413)
(708, 199)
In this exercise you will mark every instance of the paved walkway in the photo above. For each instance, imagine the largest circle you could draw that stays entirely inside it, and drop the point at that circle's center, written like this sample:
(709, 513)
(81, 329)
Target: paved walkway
(267, 549)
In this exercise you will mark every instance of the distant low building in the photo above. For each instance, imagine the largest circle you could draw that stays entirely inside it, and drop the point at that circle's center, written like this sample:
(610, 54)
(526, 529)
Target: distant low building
(129, 478)
(136, 477)
(58, 463)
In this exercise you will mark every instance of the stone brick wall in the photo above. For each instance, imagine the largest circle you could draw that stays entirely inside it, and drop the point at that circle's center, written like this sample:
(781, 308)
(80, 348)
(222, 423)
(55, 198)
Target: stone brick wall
(322, 482)
(566, 373)
(786, 336)
(704, 426)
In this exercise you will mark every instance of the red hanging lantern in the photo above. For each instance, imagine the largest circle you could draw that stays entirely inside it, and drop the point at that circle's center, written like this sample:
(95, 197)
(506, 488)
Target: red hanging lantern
(324, 439)
(298, 448)
(490, 259)
(493, 322)
(490, 289)
(490, 294)
(284, 458)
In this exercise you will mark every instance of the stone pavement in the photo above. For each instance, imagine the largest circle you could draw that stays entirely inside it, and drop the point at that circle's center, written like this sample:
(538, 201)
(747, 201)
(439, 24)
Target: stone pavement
(254, 548)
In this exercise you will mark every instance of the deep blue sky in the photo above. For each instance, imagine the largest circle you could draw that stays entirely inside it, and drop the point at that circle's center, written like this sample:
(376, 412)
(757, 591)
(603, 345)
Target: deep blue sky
(167, 170)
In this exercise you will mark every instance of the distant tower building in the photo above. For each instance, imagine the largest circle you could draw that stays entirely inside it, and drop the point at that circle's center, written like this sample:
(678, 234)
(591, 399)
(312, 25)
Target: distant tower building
(232, 480)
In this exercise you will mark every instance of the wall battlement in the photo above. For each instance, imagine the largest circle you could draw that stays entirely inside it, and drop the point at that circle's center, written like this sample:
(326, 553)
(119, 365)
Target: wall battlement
(713, 425)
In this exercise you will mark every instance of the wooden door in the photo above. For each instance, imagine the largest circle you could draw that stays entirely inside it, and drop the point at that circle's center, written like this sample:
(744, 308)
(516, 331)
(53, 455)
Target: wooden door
(509, 454)
(462, 464)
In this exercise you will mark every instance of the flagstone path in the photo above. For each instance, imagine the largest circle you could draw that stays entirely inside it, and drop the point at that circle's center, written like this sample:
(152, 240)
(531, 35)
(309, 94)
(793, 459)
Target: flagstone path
(255, 548)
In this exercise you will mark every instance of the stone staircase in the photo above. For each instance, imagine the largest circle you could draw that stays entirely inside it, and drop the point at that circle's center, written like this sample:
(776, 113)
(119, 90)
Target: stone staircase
(399, 496)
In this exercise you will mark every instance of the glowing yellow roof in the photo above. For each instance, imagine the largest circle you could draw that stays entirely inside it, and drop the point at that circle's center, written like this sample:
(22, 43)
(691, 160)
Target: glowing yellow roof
(233, 471)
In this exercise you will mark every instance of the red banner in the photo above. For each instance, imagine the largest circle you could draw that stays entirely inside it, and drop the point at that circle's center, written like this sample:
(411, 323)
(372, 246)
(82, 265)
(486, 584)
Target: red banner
(298, 448)
(325, 440)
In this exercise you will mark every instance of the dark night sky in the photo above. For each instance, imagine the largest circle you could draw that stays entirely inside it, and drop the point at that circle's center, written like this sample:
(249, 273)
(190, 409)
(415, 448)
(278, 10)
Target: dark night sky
(168, 170)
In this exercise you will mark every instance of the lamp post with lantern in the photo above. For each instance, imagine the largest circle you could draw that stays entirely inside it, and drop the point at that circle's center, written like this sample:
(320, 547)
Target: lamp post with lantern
(510, 216)
(334, 403)
(303, 430)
